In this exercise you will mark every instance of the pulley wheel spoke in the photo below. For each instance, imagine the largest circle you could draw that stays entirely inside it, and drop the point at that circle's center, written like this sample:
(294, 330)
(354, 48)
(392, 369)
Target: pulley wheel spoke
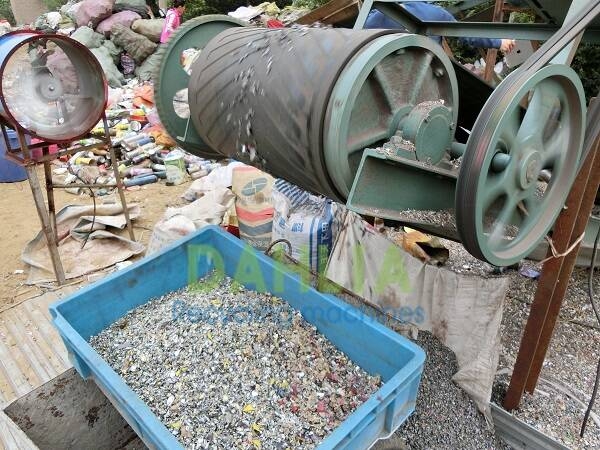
(495, 187)
(502, 222)
(539, 112)
(556, 148)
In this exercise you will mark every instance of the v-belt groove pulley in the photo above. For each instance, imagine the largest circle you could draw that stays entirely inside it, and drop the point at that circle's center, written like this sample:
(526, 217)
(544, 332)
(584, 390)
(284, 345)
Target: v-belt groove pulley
(546, 138)
(305, 103)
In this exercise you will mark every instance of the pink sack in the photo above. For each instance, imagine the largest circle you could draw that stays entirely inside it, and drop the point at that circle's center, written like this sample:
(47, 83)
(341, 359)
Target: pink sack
(61, 68)
(93, 11)
(125, 18)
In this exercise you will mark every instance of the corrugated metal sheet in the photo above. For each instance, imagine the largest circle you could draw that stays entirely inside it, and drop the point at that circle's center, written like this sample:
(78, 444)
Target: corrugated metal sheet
(31, 353)
(11, 437)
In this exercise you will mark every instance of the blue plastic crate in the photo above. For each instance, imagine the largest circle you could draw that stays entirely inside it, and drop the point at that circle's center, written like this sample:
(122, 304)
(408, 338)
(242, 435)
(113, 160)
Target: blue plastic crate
(372, 346)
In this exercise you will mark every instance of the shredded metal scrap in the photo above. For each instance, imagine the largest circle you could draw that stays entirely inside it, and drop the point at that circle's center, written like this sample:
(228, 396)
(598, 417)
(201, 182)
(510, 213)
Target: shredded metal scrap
(445, 417)
(224, 367)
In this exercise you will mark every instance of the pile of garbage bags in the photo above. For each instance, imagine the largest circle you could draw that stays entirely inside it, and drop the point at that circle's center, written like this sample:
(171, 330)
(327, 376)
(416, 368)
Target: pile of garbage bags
(122, 34)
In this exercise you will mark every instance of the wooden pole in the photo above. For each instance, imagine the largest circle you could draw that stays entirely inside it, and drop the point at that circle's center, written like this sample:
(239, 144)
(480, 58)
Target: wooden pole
(492, 53)
(40, 205)
(118, 178)
(554, 280)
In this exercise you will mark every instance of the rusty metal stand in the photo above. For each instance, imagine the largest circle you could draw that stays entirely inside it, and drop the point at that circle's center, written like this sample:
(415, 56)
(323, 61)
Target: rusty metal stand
(48, 215)
(554, 279)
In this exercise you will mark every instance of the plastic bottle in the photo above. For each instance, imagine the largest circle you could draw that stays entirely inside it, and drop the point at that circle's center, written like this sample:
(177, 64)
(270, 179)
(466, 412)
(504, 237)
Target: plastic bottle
(137, 171)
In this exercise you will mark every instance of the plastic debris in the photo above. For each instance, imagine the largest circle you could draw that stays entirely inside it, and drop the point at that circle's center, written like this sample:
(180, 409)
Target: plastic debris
(529, 272)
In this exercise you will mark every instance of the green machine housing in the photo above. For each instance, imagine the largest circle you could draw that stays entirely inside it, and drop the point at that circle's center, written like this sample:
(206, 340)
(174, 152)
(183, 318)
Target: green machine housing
(371, 118)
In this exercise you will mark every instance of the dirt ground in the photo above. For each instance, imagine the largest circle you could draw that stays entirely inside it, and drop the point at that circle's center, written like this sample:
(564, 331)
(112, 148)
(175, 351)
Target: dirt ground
(21, 223)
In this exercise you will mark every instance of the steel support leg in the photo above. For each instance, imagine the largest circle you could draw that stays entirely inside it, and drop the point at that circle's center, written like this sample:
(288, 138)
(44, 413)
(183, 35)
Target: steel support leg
(50, 193)
(118, 179)
(40, 205)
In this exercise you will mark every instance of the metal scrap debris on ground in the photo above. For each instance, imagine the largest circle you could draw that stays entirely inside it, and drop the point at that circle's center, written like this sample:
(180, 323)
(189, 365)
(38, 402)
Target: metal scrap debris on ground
(445, 417)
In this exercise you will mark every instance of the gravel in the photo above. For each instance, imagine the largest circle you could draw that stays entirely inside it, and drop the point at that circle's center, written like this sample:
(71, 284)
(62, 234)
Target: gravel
(568, 374)
(445, 417)
(444, 218)
(224, 367)
(567, 377)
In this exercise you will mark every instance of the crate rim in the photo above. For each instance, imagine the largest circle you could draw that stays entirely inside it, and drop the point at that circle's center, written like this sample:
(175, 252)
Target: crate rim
(141, 413)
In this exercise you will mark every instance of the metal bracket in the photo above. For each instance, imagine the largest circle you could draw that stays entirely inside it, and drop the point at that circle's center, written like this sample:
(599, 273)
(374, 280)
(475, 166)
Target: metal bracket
(387, 185)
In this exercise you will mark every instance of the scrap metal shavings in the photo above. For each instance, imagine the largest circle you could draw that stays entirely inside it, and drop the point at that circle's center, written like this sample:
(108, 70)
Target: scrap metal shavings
(224, 367)
(445, 417)
(444, 218)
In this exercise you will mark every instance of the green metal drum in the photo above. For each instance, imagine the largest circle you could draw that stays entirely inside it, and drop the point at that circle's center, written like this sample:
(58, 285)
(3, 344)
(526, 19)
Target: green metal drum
(171, 81)
(303, 103)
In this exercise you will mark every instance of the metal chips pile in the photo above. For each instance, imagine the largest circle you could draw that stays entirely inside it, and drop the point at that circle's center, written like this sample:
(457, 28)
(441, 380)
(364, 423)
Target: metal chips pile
(224, 367)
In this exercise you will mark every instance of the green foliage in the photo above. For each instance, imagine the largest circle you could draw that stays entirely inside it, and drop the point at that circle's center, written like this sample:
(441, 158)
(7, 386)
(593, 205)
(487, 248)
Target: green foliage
(308, 4)
(194, 8)
(463, 53)
(479, 8)
(6, 11)
(586, 65)
(53, 5)
(523, 17)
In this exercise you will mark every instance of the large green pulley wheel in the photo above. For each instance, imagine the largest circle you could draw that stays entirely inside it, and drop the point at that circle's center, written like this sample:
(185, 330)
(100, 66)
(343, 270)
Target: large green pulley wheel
(171, 82)
(520, 162)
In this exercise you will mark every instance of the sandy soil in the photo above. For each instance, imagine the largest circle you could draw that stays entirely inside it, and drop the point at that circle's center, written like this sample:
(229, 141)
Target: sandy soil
(20, 224)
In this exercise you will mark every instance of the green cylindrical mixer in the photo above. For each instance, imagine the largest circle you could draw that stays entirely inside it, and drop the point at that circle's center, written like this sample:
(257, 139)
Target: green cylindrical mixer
(368, 117)
(305, 102)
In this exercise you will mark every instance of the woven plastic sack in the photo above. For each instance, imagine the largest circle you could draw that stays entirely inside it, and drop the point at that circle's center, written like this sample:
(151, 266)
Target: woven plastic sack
(93, 12)
(137, 46)
(113, 76)
(178, 222)
(146, 71)
(66, 22)
(132, 3)
(151, 28)
(88, 37)
(125, 18)
(113, 50)
(5, 27)
(70, 8)
(305, 221)
(48, 21)
(139, 6)
(253, 205)
(127, 64)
